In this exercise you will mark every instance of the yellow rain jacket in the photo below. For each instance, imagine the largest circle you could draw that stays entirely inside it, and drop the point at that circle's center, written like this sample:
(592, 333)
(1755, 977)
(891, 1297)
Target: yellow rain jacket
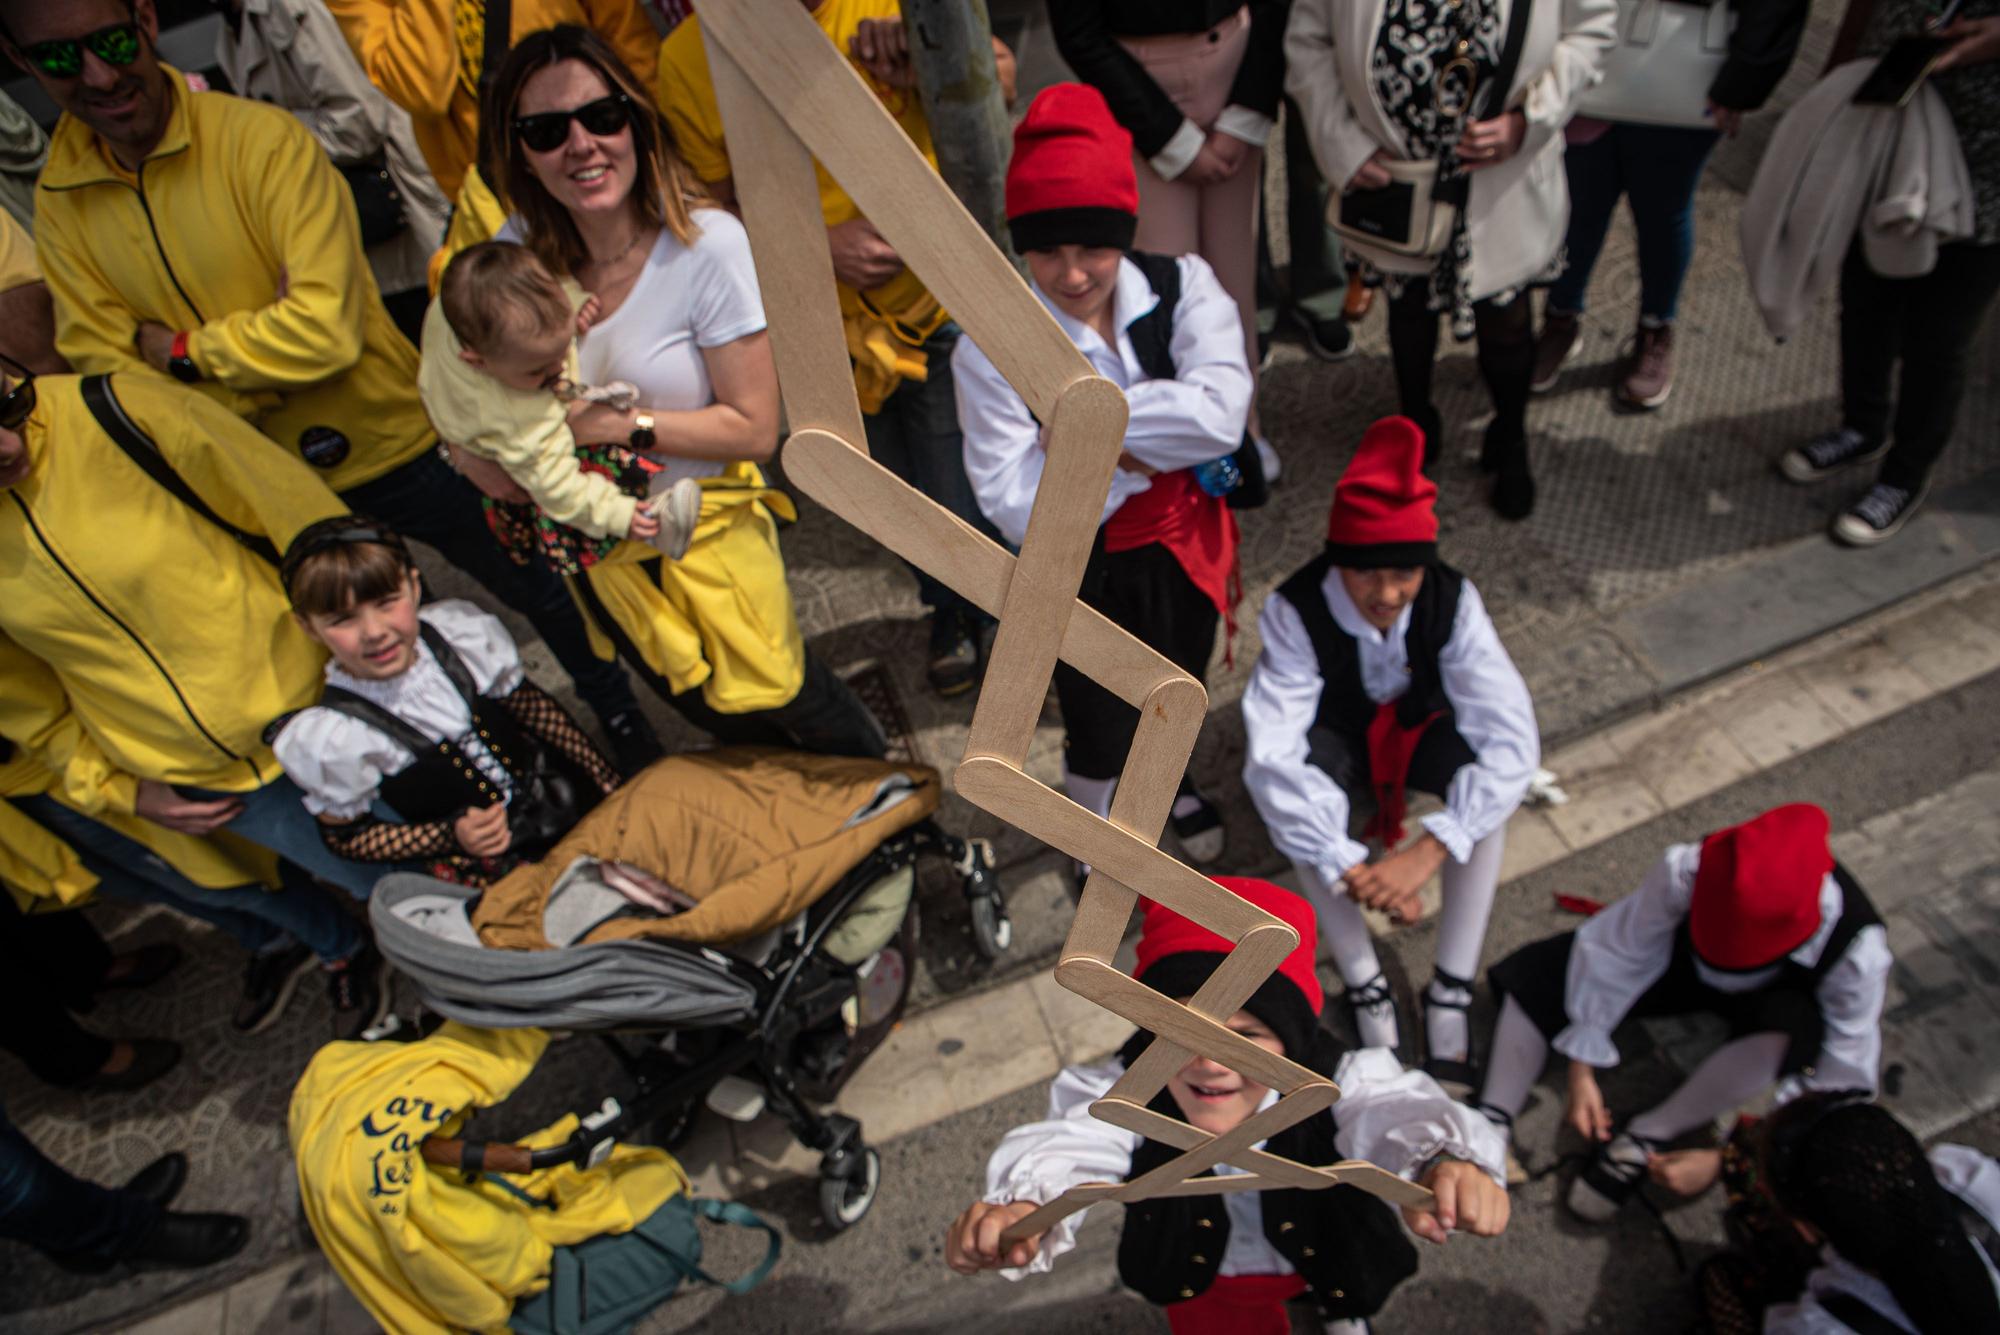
(137, 639)
(721, 617)
(425, 55)
(43, 872)
(476, 217)
(237, 229)
(885, 326)
(425, 1252)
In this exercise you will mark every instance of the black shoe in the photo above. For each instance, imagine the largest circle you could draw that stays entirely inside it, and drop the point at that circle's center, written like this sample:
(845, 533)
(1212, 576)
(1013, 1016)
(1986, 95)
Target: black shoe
(269, 980)
(633, 745)
(149, 965)
(954, 653)
(1372, 1006)
(1877, 516)
(1199, 833)
(1610, 1179)
(1828, 453)
(151, 1059)
(1327, 339)
(359, 990)
(190, 1241)
(1514, 493)
(1455, 1070)
(161, 1180)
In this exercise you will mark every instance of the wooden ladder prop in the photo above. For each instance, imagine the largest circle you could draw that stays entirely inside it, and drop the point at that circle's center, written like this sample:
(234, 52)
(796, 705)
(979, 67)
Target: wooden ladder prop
(787, 96)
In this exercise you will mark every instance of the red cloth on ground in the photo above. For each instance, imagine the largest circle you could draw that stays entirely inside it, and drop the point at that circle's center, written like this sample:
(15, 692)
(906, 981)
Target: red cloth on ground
(1199, 529)
(1390, 747)
(1238, 1305)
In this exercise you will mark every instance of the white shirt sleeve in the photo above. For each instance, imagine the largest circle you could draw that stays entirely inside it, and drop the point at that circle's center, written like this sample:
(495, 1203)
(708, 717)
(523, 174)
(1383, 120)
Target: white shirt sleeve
(1620, 953)
(1004, 458)
(1179, 152)
(1850, 1002)
(1397, 1119)
(337, 761)
(1252, 127)
(724, 299)
(482, 642)
(1040, 1161)
(1305, 811)
(1492, 710)
(1971, 1176)
(1199, 414)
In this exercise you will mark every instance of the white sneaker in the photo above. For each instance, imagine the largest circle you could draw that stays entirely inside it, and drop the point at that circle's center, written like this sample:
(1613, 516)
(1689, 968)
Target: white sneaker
(679, 511)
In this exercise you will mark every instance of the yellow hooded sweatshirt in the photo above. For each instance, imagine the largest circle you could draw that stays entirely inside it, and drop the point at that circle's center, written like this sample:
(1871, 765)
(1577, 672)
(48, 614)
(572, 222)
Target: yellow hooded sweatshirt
(137, 639)
(425, 55)
(426, 1252)
(238, 230)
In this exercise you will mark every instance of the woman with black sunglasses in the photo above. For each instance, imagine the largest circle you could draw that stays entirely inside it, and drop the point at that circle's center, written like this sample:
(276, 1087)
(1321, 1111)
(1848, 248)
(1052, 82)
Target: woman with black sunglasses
(588, 169)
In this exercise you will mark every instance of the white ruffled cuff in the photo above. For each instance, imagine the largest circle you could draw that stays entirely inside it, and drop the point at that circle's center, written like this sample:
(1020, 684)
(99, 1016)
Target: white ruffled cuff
(1587, 1044)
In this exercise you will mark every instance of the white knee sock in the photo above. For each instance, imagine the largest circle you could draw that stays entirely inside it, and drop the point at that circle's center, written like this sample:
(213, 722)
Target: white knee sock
(1092, 795)
(1519, 1053)
(1733, 1074)
(1468, 903)
(1344, 933)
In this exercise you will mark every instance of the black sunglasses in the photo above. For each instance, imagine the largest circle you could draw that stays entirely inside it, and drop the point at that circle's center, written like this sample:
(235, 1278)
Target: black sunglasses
(62, 58)
(545, 131)
(19, 401)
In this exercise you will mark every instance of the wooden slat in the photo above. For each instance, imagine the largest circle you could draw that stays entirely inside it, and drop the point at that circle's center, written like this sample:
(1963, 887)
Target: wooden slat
(1295, 1107)
(1173, 1132)
(1085, 436)
(828, 106)
(779, 192)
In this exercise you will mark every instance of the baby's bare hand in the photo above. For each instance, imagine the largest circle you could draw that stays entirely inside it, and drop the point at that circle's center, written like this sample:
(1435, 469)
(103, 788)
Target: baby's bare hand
(645, 525)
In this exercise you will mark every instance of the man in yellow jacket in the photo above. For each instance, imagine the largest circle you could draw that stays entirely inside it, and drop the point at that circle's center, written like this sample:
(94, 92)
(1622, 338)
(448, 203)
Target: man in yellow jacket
(899, 338)
(428, 57)
(144, 645)
(208, 238)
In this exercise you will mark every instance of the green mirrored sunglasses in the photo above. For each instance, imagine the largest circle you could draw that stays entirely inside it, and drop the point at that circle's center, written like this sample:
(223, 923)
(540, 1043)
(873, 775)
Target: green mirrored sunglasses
(118, 44)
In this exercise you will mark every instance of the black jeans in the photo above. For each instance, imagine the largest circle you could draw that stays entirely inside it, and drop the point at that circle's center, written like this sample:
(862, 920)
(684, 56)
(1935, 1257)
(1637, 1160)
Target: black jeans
(1506, 340)
(915, 435)
(426, 500)
(1929, 324)
(1318, 279)
(50, 962)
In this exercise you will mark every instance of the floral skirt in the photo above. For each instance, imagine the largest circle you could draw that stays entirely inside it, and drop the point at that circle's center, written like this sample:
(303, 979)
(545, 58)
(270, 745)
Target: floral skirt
(528, 535)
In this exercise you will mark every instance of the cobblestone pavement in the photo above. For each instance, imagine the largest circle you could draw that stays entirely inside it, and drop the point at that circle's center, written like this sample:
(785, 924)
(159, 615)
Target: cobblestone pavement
(1651, 562)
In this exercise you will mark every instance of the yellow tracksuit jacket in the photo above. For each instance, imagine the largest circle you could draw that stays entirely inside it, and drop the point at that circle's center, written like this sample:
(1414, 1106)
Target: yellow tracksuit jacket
(425, 55)
(238, 229)
(137, 639)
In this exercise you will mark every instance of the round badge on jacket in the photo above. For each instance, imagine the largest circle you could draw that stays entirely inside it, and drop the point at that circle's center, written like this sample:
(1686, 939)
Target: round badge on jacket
(323, 447)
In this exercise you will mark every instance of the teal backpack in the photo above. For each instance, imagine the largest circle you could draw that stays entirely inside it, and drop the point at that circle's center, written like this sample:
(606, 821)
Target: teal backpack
(604, 1286)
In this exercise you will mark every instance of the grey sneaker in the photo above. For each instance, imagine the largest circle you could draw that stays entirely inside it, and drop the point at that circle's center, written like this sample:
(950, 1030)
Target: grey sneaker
(1649, 376)
(1561, 332)
(1877, 516)
(1830, 452)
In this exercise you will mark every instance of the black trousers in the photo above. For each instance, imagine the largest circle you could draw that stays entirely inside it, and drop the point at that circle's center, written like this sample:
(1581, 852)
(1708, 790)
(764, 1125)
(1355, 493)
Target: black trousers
(49, 963)
(1505, 337)
(1537, 975)
(1145, 591)
(826, 716)
(1929, 325)
(1342, 755)
(426, 500)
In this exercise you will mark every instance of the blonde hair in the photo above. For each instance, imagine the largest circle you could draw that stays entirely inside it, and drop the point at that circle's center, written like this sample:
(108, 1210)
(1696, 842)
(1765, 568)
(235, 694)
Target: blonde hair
(499, 289)
(666, 191)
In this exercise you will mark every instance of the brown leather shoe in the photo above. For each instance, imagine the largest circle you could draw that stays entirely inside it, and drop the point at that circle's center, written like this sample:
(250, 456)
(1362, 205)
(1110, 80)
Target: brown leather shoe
(1360, 297)
(1649, 376)
(1556, 345)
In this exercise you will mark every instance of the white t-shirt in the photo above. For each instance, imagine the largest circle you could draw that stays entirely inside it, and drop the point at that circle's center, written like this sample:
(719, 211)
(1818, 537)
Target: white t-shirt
(686, 298)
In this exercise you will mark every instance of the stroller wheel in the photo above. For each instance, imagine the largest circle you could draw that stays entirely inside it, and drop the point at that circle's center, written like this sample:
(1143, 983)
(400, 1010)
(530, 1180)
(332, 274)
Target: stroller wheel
(847, 1186)
(992, 929)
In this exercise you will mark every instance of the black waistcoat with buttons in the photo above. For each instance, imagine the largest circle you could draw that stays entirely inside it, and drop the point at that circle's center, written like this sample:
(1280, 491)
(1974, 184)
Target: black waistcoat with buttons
(1348, 1246)
(1344, 703)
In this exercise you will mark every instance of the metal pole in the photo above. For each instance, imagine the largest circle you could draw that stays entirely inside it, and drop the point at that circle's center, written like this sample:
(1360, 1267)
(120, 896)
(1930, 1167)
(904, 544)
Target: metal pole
(951, 46)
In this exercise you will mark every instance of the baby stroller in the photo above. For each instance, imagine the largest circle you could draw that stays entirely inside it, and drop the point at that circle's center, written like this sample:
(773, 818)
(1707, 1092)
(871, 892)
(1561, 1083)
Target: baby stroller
(783, 954)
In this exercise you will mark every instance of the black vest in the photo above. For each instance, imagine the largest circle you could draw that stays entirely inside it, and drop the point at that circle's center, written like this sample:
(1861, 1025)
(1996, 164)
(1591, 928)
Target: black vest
(1347, 1245)
(442, 781)
(1344, 704)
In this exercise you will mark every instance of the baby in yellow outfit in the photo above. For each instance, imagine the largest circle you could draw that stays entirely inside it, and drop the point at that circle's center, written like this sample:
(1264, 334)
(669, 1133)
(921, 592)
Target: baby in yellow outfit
(498, 373)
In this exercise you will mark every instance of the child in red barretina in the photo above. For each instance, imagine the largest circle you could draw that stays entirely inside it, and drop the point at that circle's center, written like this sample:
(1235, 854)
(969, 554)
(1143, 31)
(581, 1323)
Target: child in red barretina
(1381, 671)
(1227, 1264)
(1161, 328)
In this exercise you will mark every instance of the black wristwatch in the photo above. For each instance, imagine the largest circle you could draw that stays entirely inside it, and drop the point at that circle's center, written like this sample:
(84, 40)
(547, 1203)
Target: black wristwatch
(179, 364)
(642, 437)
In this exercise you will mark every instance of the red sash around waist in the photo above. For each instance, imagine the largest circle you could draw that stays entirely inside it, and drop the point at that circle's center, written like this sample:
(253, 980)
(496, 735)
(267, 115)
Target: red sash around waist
(1238, 1305)
(1199, 529)
(1390, 749)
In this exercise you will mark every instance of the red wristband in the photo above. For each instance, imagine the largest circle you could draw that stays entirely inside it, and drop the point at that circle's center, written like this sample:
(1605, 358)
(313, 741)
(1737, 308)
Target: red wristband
(180, 345)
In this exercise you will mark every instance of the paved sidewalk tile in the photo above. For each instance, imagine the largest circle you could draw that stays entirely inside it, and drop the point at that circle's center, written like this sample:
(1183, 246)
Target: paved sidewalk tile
(1532, 843)
(203, 1316)
(1680, 753)
(1606, 796)
(1944, 645)
(1864, 683)
(1776, 718)
(993, 1044)
(900, 1086)
(287, 1297)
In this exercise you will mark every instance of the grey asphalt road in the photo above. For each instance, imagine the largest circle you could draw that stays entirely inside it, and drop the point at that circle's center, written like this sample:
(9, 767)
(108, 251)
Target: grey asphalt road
(1548, 1274)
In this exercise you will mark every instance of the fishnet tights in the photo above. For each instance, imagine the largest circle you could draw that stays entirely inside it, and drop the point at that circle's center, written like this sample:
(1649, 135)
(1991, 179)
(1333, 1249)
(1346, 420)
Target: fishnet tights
(371, 840)
(543, 715)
